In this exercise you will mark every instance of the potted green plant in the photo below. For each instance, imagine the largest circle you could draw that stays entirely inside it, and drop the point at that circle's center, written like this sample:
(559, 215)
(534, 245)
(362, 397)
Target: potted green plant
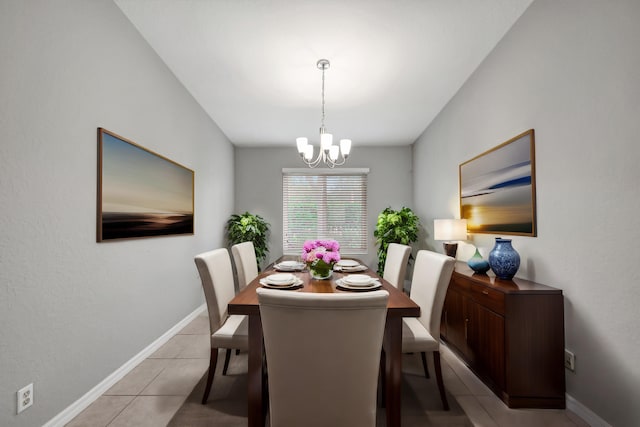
(394, 227)
(249, 227)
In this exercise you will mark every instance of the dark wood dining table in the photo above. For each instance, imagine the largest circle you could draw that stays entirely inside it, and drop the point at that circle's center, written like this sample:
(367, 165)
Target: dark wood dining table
(399, 306)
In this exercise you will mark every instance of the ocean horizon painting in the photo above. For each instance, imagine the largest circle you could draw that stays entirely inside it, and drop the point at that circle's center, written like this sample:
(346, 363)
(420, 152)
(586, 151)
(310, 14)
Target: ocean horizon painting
(140, 193)
(497, 189)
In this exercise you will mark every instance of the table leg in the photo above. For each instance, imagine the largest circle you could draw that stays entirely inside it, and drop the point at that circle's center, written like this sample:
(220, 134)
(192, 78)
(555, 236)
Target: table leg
(255, 379)
(393, 368)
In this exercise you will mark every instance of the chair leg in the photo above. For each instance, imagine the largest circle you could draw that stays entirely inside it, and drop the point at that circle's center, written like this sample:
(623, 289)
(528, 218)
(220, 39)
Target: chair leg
(237, 351)
(227, 356)
(213, 361)
(383, 378)
(438, 368)
(265, 389)
(424, 364)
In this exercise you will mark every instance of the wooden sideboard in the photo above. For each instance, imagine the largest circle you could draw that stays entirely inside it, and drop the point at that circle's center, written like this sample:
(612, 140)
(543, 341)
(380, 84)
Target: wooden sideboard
(510, 333)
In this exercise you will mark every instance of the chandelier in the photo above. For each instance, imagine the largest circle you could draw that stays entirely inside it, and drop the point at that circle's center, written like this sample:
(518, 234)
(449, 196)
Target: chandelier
(329, 154)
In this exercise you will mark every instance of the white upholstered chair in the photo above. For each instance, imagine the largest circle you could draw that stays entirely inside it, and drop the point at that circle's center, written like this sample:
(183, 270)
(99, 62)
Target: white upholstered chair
(431, 275)
(227, 331)
(323, 356)
(395, 266)
(244, 257)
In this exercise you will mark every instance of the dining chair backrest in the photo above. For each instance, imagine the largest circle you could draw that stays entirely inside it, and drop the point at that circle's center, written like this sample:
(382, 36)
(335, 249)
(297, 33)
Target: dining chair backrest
(216, 275)
(395, 266)
(431, 275)
(323, 356)
(244, 257)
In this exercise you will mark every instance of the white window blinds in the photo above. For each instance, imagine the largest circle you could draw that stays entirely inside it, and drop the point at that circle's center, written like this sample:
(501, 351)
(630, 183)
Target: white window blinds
(324, 204)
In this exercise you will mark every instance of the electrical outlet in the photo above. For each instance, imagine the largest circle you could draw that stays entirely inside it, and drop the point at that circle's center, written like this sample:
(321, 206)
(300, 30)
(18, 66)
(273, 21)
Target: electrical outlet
(25, 397)
(569, 360)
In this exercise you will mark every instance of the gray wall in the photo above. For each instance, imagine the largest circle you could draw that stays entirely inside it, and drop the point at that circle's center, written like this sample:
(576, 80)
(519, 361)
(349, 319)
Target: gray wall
(72, 310)
(569, 70)
(258, 187)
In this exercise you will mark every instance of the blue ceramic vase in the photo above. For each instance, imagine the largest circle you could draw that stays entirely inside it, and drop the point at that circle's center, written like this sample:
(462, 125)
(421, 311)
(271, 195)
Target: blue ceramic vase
(477, 263)
(503, 259)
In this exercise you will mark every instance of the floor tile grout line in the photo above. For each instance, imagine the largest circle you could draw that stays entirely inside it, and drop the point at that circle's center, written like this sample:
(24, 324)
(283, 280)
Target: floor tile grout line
(120, 412)
(475, 398)
(486, 411)
(152, 380)
(146, 385)
(145, 395)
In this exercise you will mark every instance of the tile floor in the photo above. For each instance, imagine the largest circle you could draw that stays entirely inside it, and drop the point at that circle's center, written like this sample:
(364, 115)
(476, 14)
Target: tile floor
(152, 392)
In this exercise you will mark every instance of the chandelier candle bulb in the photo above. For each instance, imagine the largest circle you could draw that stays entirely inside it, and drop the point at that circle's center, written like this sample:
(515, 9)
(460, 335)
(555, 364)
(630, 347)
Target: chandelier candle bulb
(308, 152)
(326, 141)
(345, 147)
(333, 152)
(302, 145)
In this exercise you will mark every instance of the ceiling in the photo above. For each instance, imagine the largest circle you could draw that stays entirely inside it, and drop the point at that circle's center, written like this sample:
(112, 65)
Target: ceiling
(251, 64)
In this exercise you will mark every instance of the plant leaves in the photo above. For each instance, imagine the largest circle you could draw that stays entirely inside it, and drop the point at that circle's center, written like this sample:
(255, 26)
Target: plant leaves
(248, 227)
(394, 227)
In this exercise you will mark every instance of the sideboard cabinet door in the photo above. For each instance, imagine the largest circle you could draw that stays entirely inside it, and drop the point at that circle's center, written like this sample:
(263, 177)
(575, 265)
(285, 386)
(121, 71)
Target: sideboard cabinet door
(456, 321)
(486, 332)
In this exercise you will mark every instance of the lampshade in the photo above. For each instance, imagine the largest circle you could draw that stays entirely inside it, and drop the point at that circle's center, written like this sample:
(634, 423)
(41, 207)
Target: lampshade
(326, 140)
(450, 229)
(302, 144)
(308, 152)
(334, 151)
(345, 146)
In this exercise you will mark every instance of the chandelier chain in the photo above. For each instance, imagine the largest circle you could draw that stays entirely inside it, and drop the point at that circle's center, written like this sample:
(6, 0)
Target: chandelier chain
(322, 121)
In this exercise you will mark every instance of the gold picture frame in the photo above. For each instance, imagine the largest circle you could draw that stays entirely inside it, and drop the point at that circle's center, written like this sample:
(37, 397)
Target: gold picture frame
(498, 188)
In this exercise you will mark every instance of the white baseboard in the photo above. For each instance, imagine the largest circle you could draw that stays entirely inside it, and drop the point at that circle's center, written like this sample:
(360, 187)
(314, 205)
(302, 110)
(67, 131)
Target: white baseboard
(585, 413)
(81, 404)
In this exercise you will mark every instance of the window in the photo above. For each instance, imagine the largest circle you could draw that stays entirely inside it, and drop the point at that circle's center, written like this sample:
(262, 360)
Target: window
(328, 204)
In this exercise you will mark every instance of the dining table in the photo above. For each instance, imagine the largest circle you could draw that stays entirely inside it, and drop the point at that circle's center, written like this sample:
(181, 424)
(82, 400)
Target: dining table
(399, 305)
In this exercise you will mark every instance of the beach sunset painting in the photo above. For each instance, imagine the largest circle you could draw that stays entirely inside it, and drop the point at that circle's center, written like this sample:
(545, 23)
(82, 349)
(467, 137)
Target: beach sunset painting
(140, 193)
(497, 189)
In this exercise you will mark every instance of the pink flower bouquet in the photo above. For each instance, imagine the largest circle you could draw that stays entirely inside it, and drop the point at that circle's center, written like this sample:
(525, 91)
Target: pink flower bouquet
(320, 256)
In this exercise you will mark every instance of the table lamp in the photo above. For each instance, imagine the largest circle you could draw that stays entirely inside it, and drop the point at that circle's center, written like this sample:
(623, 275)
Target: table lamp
(450, 230)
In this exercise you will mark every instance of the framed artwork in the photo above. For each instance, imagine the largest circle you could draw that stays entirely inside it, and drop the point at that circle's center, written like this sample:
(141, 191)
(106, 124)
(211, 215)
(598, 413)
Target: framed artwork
(140, 193)
(498, 189)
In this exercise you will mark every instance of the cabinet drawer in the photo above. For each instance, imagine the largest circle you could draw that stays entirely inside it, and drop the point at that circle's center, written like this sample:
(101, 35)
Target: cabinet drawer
(487, 297)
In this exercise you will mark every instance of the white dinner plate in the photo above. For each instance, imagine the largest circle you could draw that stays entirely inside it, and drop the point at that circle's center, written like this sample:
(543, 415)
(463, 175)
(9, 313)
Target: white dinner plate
(289, 266)
(289, 286)
(296, 282)
(348, 263)
(290, 263)
(280, 279)
(371, 286)
(353, 269)
(358, 279)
